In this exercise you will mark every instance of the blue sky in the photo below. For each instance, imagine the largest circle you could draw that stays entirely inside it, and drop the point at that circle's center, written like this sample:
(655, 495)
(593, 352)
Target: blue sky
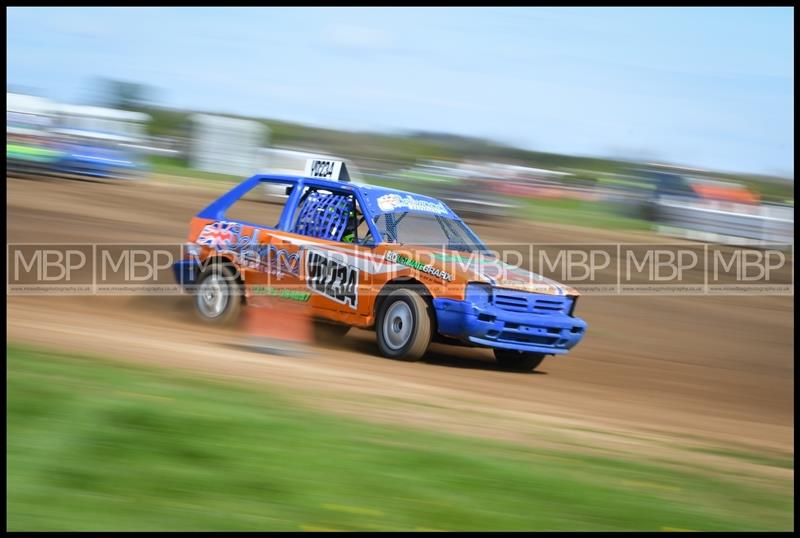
(704, 87)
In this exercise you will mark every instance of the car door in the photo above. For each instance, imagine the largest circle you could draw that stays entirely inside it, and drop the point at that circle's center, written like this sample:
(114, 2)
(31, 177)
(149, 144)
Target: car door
(324, 231)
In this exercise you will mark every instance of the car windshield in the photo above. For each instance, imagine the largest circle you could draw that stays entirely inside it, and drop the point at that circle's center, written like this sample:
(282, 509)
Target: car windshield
(406, 227)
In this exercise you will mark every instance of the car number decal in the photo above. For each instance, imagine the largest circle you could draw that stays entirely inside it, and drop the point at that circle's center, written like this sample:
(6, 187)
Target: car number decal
(332, 278)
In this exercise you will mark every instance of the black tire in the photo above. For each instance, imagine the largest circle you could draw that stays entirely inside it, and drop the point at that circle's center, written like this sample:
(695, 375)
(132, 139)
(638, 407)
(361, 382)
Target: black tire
(220, 279)
(404, 325)
(326, 332)
(518, 361)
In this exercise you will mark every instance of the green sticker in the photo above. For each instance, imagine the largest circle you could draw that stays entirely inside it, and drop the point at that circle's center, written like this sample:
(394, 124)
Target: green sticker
(282, 293)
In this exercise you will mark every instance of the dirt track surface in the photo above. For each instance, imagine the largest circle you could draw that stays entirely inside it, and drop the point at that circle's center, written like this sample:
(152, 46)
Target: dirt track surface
(654, 375)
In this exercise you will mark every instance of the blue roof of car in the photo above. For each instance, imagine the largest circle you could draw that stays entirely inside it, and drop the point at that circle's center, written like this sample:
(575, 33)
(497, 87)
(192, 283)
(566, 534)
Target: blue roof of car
(378, 199)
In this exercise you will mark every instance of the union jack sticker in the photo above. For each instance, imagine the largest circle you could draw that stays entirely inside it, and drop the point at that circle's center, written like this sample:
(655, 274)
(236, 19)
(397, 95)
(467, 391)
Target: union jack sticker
(220, 235)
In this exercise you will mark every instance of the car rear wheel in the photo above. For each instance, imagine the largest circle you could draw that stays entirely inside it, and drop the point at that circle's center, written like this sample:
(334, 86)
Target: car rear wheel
(217, 296)
(404, 325)
(518, 361)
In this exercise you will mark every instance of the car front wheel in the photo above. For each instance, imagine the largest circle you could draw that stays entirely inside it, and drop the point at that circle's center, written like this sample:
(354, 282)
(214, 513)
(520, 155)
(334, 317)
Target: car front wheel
(404, 325)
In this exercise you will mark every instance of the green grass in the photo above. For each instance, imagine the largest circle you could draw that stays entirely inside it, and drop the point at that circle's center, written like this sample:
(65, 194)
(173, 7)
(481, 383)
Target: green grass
(97, 445)
(178, 167)
(588, 214)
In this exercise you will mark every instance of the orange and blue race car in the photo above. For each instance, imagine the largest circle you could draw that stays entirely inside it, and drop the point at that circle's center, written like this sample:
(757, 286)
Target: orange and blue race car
(399, 263)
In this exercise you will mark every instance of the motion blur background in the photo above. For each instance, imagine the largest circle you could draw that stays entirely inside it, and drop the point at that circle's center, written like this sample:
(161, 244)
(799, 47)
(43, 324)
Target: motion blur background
(550, 125)
(554, 113)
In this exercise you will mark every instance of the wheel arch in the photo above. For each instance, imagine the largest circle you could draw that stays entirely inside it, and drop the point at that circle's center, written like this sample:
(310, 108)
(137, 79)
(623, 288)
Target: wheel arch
(404, 282)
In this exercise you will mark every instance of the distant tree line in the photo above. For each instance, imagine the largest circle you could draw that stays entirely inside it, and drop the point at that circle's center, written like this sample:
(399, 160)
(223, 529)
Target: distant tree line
(383, 150)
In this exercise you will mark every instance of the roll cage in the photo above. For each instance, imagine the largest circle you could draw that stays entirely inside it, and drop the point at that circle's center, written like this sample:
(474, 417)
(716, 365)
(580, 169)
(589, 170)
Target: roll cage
(321, 217)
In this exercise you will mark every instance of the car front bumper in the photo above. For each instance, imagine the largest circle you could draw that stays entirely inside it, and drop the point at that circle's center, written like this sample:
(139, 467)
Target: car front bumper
(186, 272)
(490, 326)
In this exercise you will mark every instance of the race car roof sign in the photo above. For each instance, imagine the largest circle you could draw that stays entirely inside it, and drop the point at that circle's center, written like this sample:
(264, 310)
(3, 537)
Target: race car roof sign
(327, 169)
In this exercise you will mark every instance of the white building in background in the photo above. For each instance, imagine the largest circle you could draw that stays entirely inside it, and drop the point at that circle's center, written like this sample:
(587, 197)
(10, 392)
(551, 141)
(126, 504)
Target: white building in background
(99, 123)
(28, 114)
(226, 145)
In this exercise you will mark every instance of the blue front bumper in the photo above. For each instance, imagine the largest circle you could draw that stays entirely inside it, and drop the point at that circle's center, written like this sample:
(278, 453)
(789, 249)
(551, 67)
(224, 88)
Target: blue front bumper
(186, 272)
(492, 326)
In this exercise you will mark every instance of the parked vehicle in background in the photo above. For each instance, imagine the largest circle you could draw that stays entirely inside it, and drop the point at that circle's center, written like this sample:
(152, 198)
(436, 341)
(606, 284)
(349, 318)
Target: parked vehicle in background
(102, 143)
(30, 148)
(704, 209)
